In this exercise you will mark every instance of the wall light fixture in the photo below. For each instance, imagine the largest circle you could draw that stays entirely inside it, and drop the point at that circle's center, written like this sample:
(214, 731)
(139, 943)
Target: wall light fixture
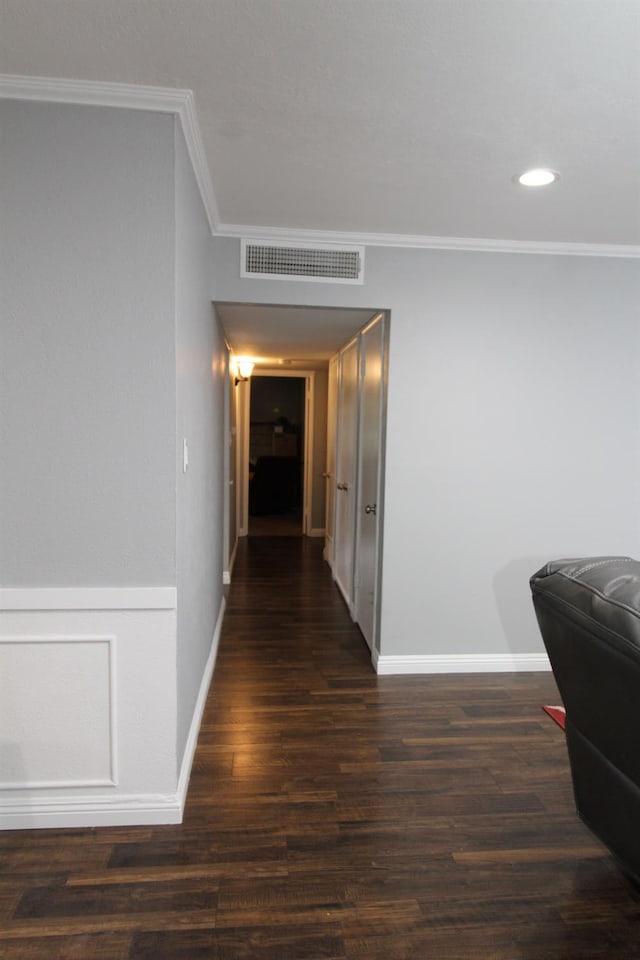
(244, 369)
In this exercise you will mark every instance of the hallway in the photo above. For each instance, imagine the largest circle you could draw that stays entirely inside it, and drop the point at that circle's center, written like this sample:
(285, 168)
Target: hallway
(334, 814)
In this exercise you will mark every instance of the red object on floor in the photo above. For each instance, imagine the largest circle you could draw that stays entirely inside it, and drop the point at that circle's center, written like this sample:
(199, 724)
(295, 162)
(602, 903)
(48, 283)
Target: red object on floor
(557, 714)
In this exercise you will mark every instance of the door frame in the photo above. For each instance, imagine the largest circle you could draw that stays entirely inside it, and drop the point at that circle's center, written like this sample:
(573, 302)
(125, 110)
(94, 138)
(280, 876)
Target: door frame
(244, 425)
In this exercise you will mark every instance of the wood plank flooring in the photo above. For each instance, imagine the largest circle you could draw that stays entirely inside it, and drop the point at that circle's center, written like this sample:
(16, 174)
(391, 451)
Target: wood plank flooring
(335, 814)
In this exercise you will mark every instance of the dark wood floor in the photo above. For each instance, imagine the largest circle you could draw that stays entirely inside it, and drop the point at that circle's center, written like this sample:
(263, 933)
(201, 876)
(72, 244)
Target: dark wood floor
(334, 814)
(276, 525)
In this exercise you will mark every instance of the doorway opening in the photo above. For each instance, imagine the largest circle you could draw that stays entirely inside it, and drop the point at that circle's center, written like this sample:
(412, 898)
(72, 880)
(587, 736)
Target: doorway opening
(322, 443)
(277, 430)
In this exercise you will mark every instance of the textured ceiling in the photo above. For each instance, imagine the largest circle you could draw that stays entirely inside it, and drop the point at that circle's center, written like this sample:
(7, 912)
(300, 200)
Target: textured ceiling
(403, 117)
(398, 121)
(305, 336)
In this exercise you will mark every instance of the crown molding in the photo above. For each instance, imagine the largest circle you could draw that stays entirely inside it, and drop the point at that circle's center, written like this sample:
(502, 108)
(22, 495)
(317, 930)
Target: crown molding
(100, 93)
(418, 241)
(181, 103)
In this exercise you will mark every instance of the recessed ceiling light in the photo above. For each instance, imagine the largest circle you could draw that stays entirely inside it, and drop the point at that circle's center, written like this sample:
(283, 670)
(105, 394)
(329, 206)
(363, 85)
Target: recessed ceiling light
(540, 177)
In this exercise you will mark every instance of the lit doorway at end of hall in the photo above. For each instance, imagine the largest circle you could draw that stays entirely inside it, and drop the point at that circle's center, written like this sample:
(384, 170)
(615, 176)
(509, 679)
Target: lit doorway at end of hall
(276, 456)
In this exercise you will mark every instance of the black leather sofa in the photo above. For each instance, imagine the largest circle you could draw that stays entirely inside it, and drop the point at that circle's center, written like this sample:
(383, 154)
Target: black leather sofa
(589, 616)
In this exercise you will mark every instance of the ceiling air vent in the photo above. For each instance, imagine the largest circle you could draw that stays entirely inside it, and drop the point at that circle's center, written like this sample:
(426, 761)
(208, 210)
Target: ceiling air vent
(322, 263)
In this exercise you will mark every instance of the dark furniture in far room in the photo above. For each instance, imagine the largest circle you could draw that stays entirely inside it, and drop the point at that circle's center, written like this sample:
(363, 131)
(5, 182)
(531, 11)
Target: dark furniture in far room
(274, 487)
(589, 615)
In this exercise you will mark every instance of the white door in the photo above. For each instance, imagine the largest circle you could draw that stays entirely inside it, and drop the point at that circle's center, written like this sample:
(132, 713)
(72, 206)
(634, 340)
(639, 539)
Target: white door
(346, 464)
(330, 472)
(369, 456)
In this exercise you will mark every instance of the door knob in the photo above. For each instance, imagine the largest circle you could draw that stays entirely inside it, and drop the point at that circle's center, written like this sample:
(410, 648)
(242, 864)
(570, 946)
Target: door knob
(370, 508)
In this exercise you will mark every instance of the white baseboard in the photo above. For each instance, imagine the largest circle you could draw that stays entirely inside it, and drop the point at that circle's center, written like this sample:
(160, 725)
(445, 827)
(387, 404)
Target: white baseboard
(343, 592)
(461, 663)
(226, 574)
(119, 811)
(192, 739)
(58, 687)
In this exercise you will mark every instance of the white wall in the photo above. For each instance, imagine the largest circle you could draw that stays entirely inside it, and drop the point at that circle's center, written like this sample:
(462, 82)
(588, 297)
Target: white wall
(512, 436)
(200, 384)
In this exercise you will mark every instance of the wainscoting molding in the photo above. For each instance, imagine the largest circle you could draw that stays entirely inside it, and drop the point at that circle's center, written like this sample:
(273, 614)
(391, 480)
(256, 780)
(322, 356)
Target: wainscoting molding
(88, 707)
(461, 663)
(61, 726)
(88, 598)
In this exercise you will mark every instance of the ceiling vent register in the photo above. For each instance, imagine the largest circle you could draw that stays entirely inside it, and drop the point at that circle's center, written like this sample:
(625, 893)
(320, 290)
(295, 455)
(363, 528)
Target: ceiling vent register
(321, 263)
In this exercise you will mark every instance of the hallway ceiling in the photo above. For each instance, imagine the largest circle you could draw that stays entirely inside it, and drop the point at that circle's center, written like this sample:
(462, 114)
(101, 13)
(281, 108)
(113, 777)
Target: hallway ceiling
(304, 337)
(387, 119)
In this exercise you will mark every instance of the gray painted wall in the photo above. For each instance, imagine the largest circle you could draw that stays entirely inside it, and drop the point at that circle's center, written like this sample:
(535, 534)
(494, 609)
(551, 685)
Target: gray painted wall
(513, 429)
(87, 491)
(200, 384)
(513, 419)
